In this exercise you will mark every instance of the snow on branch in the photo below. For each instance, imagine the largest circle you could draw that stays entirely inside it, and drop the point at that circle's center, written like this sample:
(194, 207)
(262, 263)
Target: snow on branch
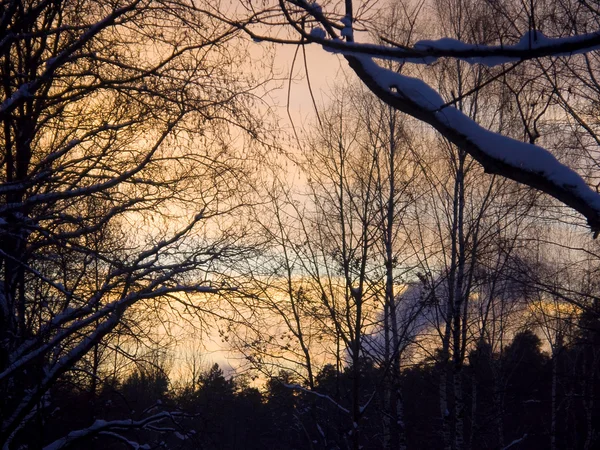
(533, 44)
(108, 428)
(515, 442)
(525, 163)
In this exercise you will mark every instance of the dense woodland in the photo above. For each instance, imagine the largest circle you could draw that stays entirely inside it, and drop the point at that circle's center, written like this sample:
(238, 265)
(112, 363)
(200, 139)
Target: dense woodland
(510, 399)
(412, 265)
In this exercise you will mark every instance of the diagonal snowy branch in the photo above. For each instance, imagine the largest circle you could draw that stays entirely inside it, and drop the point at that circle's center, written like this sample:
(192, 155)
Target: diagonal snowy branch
(525, 163)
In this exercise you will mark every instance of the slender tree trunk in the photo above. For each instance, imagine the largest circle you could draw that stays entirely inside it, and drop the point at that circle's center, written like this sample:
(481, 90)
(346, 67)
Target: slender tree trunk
(554, 394)
(444, 407)
(498, 410)
(553, 405)
(387, 409)
(461, 301)
(474, 411)
(459, 422)
(356, 413)
(400, 433)
(400, 418)
(589, 399)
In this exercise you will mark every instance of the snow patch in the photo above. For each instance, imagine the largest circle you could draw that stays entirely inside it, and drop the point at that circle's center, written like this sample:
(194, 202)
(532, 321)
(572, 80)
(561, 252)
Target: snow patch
(318, 33)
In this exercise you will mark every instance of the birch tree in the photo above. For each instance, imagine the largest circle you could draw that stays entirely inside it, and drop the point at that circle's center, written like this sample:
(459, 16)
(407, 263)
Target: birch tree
(521, 34)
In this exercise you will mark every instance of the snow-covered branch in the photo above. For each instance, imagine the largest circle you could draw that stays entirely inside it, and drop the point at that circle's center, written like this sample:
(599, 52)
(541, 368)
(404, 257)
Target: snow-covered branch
(533, 44)
(529, 164)
(515, 442)
(103, 426)
(525, 163)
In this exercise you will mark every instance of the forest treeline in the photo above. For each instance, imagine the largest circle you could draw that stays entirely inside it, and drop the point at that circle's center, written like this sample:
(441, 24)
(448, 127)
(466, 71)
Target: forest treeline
(524, 395)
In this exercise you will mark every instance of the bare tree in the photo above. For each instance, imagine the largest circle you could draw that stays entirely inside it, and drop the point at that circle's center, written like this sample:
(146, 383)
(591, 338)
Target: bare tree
(325, 294)
(516, 38)
(118, 124)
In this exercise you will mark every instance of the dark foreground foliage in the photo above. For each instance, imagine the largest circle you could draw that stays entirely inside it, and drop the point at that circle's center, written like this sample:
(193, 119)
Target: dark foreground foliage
(522, 396)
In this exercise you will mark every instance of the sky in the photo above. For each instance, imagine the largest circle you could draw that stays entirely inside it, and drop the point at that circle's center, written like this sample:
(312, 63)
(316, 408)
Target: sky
(325, 71)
